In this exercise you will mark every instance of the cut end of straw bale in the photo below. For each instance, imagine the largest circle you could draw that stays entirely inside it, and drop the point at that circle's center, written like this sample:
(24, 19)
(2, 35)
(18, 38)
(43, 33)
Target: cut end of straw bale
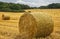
(27, 25)
(35, 25)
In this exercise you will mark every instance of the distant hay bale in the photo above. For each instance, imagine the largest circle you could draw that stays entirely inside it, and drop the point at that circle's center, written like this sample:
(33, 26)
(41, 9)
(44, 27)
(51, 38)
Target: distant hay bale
(35, 25)
(4, 17)
(29, 11)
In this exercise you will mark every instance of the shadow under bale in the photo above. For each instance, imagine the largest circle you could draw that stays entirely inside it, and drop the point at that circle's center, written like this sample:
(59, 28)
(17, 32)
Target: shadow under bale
(35, 25)
(4, 17)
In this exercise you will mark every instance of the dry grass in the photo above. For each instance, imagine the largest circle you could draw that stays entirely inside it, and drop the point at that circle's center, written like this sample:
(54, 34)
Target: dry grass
(9, 28)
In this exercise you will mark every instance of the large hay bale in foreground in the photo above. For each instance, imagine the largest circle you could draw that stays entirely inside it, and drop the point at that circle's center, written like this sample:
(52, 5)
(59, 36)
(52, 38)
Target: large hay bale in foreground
(35, 25)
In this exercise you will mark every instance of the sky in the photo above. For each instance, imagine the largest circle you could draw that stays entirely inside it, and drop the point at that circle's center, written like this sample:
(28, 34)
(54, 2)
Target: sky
(33, 3)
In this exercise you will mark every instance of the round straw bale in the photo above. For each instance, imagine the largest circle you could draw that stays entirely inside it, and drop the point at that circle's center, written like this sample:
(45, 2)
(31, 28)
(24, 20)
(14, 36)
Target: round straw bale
(5, 17)
(35, 25)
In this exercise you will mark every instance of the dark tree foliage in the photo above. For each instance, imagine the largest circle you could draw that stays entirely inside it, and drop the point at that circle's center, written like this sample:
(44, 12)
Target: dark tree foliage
(13, 7)
(54, 5)
(51, 6)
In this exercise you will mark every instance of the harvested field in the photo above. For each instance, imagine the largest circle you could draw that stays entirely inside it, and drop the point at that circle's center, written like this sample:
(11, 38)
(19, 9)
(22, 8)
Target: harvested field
(9, 28)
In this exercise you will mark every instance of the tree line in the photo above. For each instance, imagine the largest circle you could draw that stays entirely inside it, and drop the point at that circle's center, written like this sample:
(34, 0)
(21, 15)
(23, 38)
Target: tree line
(51, 6)
(13, 7)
